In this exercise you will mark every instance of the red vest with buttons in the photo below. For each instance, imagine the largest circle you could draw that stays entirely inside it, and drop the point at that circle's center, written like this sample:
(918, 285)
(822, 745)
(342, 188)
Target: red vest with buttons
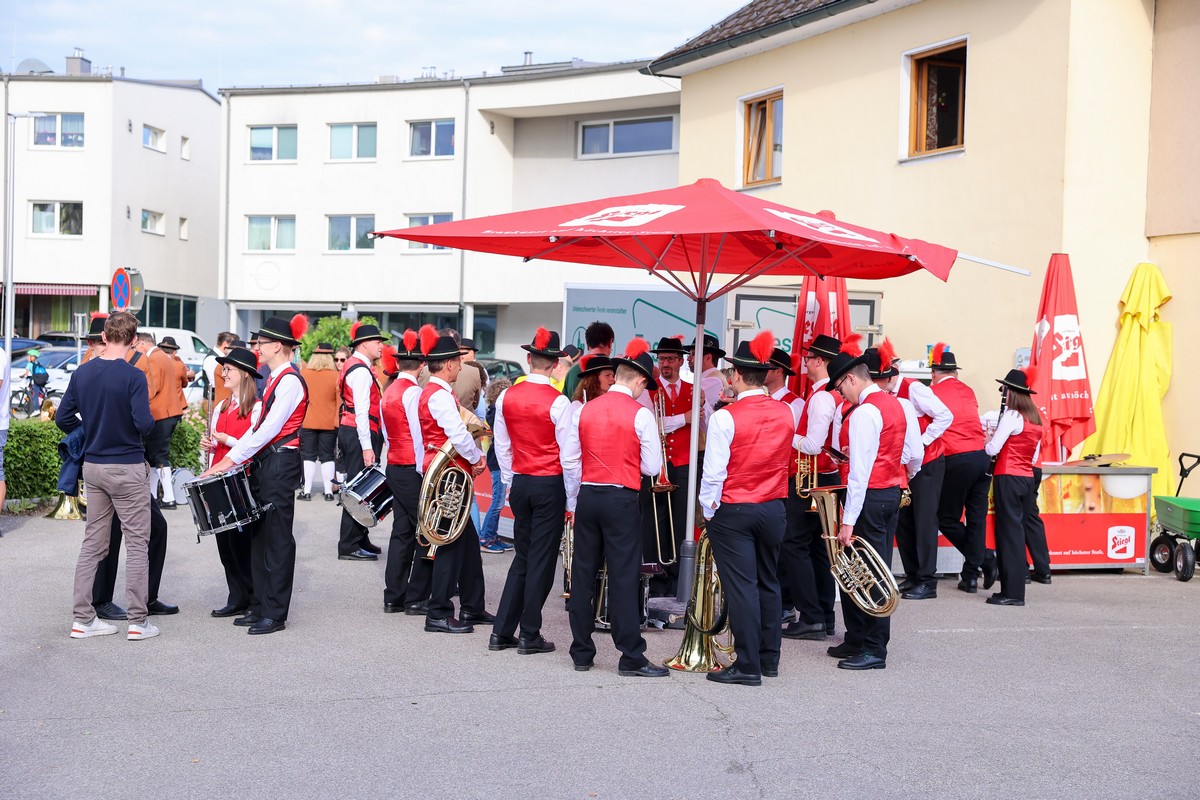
(965, 434)
(526, 412)
(935, 448)
(347, 418)
(887, 470)
(229, 423)
(1016, 456)
(679, 442)
(758, 454)
(824, 462)
(431, 432)
(291, 425)
(611, 449)
(401, 449)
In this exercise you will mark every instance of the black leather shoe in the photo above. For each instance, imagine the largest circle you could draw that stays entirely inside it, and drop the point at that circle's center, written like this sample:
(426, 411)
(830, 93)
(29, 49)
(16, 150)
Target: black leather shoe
(158, 607)
(393, 608)
(922, 591)
(477, 617)
(991, 571)
(304, 496)
(1028, 580)
(770, 672)
(647, 670)
(1000, 600)
(370, 546)
(229, 610)
(266, 625)
(110, 611)
(168, 506)
(967, 585)
(248, 620)
(498, 642)
(583, 667)
(908, 584)
(528, 647)
(1044, 579)
(842, 650)
(862, 661)
(447, 625)
(417, 609)
(328, 497)
(829, 627)
(732, 674)
(814, 631)
(358, 555)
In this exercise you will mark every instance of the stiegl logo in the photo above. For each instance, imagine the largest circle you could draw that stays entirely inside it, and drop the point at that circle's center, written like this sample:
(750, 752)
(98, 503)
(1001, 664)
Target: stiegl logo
(623, 216)
(1120, 542)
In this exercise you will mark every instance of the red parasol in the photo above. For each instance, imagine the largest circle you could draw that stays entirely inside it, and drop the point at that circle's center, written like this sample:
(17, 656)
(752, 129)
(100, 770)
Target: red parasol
(1064, 393)
(822, 308)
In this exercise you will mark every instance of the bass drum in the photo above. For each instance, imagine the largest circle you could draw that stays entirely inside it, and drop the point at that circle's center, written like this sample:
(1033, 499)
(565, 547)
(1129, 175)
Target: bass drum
(223, 502)
(368, 498)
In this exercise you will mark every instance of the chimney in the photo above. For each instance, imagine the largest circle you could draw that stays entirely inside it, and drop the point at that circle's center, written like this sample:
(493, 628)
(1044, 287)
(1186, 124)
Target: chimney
(528, 58)
(77, 64)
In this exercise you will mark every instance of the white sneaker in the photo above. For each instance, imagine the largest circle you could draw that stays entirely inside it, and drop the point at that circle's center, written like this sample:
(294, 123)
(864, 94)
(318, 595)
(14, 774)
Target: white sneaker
(147, 630)
(86, 630)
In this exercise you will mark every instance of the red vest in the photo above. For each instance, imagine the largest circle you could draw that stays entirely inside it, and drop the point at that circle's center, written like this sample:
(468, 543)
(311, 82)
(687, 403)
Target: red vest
(965, 434)
(611, 450)
(401, 449)
(231, 424)
(431, 432)
(347, 418)
(530, 429)
(1016, 456)
(888, 471)
(758, 454)
(824, 462)
(935, 448)
(787, 398)
(292, 425)
(678, 442)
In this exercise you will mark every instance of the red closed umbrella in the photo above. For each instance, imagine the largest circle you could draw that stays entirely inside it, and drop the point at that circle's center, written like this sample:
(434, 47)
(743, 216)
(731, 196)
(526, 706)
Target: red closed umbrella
(822, 308)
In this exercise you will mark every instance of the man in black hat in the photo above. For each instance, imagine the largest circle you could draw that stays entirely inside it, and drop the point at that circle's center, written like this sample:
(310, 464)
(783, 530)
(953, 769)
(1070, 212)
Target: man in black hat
(274, 445)
(95, 337)
(533, 421)
(709, 378)
(359, 437)
(614, 441)
(472, 378)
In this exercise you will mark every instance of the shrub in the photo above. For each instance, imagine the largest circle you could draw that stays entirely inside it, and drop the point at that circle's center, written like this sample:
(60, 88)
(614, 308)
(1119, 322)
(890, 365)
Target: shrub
(31, 459)
(334, 330)
(185, 441)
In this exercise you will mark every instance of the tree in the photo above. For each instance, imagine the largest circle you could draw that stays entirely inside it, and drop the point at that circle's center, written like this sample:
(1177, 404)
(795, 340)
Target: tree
(334, 330)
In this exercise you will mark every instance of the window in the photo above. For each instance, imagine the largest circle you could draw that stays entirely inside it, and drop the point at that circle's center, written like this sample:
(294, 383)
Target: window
(153, 139)
(416, 220)
(352, 141)
(627, 137)
(185, 148)
(938, 99)
(152, 222)
(763, 144)
(432, 138)
(58, 219)
(350, 233)
(169, 311)
(183, 228)
(58, 130)
(271, 233)
(275, 143)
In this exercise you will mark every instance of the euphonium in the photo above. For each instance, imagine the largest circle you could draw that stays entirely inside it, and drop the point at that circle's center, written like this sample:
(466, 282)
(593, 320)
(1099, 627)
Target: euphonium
(857, 567)
(446, 492)
(706, 618)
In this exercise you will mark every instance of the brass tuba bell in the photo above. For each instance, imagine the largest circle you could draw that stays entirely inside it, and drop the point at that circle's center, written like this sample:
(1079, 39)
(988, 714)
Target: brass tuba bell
(447, 492)
(857, 568)
(706, 618)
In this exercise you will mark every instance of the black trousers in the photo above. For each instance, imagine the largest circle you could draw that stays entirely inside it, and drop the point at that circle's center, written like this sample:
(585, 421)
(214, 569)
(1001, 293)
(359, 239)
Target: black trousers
(804, 559)
(965, 488)
(607, 526)
(670, 509)
(1035, 530)
(233, 547)
(457, 566)
(273, 479)
(352, 534)
(158, 442)
(917, 530)
(318, 445)
(405, 483)
(106, 573)
(876, 525)
(539, 503)
(745, 540)
(1011, 494)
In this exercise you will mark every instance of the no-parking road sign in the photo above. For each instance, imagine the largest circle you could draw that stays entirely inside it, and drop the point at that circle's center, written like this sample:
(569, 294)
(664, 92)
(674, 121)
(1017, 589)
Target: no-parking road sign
(122, 290)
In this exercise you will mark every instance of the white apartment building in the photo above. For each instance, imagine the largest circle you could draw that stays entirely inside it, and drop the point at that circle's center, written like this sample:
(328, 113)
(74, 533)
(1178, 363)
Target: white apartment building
(308, 171)
(114, 172)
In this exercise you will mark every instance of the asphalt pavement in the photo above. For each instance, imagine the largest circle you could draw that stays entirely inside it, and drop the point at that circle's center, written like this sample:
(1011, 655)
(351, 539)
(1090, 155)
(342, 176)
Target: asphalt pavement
(1084, 693)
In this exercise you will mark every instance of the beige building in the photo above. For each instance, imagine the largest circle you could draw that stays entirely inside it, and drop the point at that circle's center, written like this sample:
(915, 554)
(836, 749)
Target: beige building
(1008, 130)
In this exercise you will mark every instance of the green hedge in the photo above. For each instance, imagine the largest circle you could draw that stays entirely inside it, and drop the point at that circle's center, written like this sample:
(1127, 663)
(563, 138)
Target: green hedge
(185, 441)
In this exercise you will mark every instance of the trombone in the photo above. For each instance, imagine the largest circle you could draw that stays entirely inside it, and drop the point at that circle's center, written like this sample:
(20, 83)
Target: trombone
(661, 484)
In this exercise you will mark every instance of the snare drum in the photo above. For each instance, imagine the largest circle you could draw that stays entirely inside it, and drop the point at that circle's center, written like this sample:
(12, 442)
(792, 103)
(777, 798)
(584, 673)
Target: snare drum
(367, 498)
(223, 502)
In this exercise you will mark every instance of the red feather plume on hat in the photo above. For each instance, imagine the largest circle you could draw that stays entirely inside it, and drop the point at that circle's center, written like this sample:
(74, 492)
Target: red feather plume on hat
(852, 345)
(354, 330)
(762, 347)
(541, 339)
(429, 339)
(797, 360)
(636, 347)
(939, 350)
(678, 336)
(298, 326)
(99, 315)
(887, 354)
(1031, 373)
(387, 360)
(410, 341)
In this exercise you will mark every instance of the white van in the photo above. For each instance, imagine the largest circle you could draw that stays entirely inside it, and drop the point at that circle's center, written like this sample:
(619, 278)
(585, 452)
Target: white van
(192, 349)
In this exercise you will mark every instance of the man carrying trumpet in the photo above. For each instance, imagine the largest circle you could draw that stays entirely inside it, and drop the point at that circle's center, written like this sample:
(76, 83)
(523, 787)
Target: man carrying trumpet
(672, 402)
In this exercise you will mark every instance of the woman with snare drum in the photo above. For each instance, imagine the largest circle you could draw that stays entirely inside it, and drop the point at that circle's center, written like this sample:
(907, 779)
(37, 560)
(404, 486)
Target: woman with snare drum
(231, 419)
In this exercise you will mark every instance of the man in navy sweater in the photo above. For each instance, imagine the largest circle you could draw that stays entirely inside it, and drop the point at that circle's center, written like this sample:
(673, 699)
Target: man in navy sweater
(109, 398)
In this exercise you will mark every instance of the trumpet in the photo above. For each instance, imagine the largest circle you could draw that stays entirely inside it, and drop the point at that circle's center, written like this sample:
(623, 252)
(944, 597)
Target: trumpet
(857, 567)
(662, 483)
(447, 491)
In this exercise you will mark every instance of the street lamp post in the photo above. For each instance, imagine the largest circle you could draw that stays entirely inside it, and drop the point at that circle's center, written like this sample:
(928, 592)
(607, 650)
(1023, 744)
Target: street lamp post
(9, 299)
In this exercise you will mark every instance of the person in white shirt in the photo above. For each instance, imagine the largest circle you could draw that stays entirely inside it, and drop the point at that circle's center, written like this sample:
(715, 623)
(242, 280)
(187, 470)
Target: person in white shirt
(359, 437)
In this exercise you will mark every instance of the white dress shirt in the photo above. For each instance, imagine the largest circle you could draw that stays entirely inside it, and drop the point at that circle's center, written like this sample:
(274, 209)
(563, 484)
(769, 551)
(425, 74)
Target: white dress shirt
(716, 456)
(560, 415)
(866, 425)
(672, 422)
(712, 384)
(410, 398)
(821, 410)
(914, 446)
(797, 405)
(572, 452)
(360, 381)
(289, 394)
(1010, 424)
(443, 407)
(927, 404)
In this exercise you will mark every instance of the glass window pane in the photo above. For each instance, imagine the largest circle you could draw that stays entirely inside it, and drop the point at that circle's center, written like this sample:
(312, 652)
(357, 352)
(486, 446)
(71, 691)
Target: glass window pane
(285, 233)
(777, 137)
(188, 322)
(172, 312)
(642, 135)
(147, 137)
(259, 233)
(595, 139)
(421, 138)
(366, 141)
(43, 218)
(341, 142)
(45, 131)
(414, 221)
(70, 219)
(363, 226)
(261, 145)
(442, 217)
(154, 315)
(287, 143)
(339, 233)
(72, 130)
(445, 138)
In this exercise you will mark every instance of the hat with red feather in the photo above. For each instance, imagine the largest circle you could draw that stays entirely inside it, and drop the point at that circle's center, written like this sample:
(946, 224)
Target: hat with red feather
(849, 357)
(637, 356)
(288, 332)
(881, 360)
(436, 346)
(941, 359)
(824, 346)
(545, 343)
(670, 346)
(387, 361)
(360, 333)
(594, 363)
(1020, 380)
(410, 347)
(755, 353)
(96, 326)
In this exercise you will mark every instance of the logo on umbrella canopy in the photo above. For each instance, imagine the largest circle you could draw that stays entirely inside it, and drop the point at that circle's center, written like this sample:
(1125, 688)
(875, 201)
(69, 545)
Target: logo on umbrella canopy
(812, 308)
(623, 216)
(1068, 363)
(822, 226)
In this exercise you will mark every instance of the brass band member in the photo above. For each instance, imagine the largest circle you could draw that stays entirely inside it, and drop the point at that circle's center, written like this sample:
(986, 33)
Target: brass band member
(675, 395)
(597, 374)
(709, 378)
(776, 386)
(533, 421)
(359, 437)
(402, 431)
(742, 495)
(879, 365)
(613, 443)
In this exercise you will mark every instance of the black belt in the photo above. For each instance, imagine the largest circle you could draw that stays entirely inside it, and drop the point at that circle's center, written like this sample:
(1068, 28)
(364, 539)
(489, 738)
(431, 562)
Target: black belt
(403, 466)
(283, 444)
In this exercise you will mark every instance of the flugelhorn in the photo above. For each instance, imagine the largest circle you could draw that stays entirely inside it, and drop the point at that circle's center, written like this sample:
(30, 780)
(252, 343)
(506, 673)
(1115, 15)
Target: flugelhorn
(857, 567)
(447, 492)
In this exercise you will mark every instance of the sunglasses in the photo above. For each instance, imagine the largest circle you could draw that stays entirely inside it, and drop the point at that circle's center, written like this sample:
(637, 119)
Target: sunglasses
(339, 360)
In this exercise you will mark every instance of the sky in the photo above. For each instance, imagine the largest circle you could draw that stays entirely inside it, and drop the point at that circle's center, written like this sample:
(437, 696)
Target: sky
(293, 42)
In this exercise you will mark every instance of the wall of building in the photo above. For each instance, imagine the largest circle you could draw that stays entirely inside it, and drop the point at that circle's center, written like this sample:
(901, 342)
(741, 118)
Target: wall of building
(516, 323)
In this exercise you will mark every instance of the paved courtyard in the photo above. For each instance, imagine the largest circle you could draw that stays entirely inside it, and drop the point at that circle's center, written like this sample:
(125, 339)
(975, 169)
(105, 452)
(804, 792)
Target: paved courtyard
(1085, 693)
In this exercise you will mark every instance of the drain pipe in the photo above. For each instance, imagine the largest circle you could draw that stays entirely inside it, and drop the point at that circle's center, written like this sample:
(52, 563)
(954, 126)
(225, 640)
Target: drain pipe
(462, 214)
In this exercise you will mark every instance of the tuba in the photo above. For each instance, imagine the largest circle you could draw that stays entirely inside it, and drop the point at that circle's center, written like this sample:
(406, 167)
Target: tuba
(447, 492)
(857, 568)
(706, 618)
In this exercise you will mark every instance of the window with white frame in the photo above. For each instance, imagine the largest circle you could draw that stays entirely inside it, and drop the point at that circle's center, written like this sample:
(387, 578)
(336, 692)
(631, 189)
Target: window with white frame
(58, 130)
(762, 145)
(349, 232)
(57, 218)
(351, 141)
(185, 148)
(270, 233)
(153, 139)
(622, 137)
(183, 228)
(273, 143)
(431, 138)
(417, 220)
(152, 222)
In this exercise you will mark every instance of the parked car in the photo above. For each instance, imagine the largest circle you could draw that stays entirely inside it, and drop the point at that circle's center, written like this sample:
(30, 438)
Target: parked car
(499, 368)
(21, 345)
(59, 338)
(192, 349)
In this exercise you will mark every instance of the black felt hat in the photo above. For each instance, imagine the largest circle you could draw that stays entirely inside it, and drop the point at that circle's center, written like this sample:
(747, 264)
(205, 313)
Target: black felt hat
(545, 343)
(96, 326)
(840, 364)
(278, 329)
(360, 333)
(410, 347)
(323, 348)
(241, 358)
(824, 345)
(168, 343)
(711, 345)
(435, 346)
(881, 361)
(596, 362)
(1018, 380)
(942, 359)
(637, 356)
(671, 345)
(755, 353)
(781, 359)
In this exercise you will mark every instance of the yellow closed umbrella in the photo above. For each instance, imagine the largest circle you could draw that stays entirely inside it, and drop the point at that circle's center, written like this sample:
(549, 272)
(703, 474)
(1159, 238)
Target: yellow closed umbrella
(1129, 415)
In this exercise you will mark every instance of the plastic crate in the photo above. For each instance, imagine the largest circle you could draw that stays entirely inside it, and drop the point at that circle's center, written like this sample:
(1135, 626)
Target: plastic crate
(1179, 514)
